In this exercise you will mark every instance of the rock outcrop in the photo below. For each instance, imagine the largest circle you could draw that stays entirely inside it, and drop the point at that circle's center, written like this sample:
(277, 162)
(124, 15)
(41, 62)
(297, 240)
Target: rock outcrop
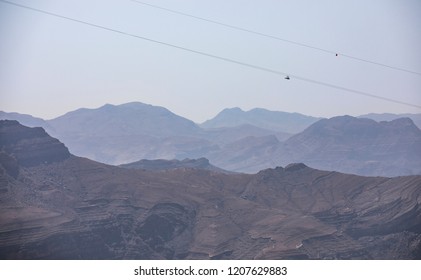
(30, 146)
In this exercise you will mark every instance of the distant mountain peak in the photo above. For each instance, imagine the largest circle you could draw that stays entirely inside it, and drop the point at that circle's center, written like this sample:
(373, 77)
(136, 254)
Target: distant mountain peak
(233, 109)
(130, 105)
(343, 123)
(263, 118)
(401, 122)
(416, 118)
(359, 145)
(25, 119)
(134, 118)
(107, 105)
(295, 167)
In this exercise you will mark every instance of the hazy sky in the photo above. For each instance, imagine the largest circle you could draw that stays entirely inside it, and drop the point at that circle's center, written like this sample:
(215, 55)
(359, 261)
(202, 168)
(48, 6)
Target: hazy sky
(49, 65)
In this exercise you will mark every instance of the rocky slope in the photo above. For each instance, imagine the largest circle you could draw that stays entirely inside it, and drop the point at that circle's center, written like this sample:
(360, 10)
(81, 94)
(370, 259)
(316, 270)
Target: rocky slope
(30, 146)
(75, 208)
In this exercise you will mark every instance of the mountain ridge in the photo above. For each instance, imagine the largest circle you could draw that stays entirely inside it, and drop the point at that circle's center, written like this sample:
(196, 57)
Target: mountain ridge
(128, 117)
(118, 134)
(346, 144)
(394, 146)
(416, 118)
(271, 120)
(162, 164)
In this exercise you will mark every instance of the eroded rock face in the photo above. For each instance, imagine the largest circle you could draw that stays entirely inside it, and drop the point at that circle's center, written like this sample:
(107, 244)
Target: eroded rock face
(9, 164)
(168, 229)
(79, 209)
(30, 146)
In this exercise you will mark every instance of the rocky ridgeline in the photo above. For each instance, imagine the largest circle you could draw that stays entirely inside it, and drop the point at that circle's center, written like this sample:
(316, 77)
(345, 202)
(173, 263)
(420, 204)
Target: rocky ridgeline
(162, 164)
(30, 146)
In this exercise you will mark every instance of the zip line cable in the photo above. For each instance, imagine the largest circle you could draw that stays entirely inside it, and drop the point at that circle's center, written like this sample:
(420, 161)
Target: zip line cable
(276, 38)
(264, 69)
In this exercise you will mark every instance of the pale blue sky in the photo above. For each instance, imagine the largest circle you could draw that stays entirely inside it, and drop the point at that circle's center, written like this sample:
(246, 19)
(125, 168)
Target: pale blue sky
(49, 66)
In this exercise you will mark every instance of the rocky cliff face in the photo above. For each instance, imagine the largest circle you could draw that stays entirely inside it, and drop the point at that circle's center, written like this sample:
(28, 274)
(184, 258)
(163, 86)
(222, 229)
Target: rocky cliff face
(30, 146)
(75, 208)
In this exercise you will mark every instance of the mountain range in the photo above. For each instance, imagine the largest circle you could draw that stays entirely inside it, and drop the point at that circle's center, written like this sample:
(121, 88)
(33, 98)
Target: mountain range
(416, 118)
(359, 146)
(54, 205)
(271, 120)
(239, 141)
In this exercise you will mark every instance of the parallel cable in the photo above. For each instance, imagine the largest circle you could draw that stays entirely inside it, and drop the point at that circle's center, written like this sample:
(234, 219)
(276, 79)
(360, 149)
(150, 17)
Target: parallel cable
(264, 69)
(276, 38)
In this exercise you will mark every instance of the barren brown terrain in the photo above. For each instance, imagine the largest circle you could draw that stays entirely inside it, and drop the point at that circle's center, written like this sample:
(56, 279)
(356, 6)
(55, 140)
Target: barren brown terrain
(54, 205)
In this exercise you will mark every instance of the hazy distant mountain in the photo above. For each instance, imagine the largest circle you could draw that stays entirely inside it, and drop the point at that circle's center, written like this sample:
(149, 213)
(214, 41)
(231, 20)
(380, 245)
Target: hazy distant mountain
(75, 208)
(345, 144)
(390, 117)
(359, 146)
(249, 154)
(128, 132)
(26, 120)
(124, 120)
(135, 131)
(270, 120)
(162, 164)
(226, 135)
